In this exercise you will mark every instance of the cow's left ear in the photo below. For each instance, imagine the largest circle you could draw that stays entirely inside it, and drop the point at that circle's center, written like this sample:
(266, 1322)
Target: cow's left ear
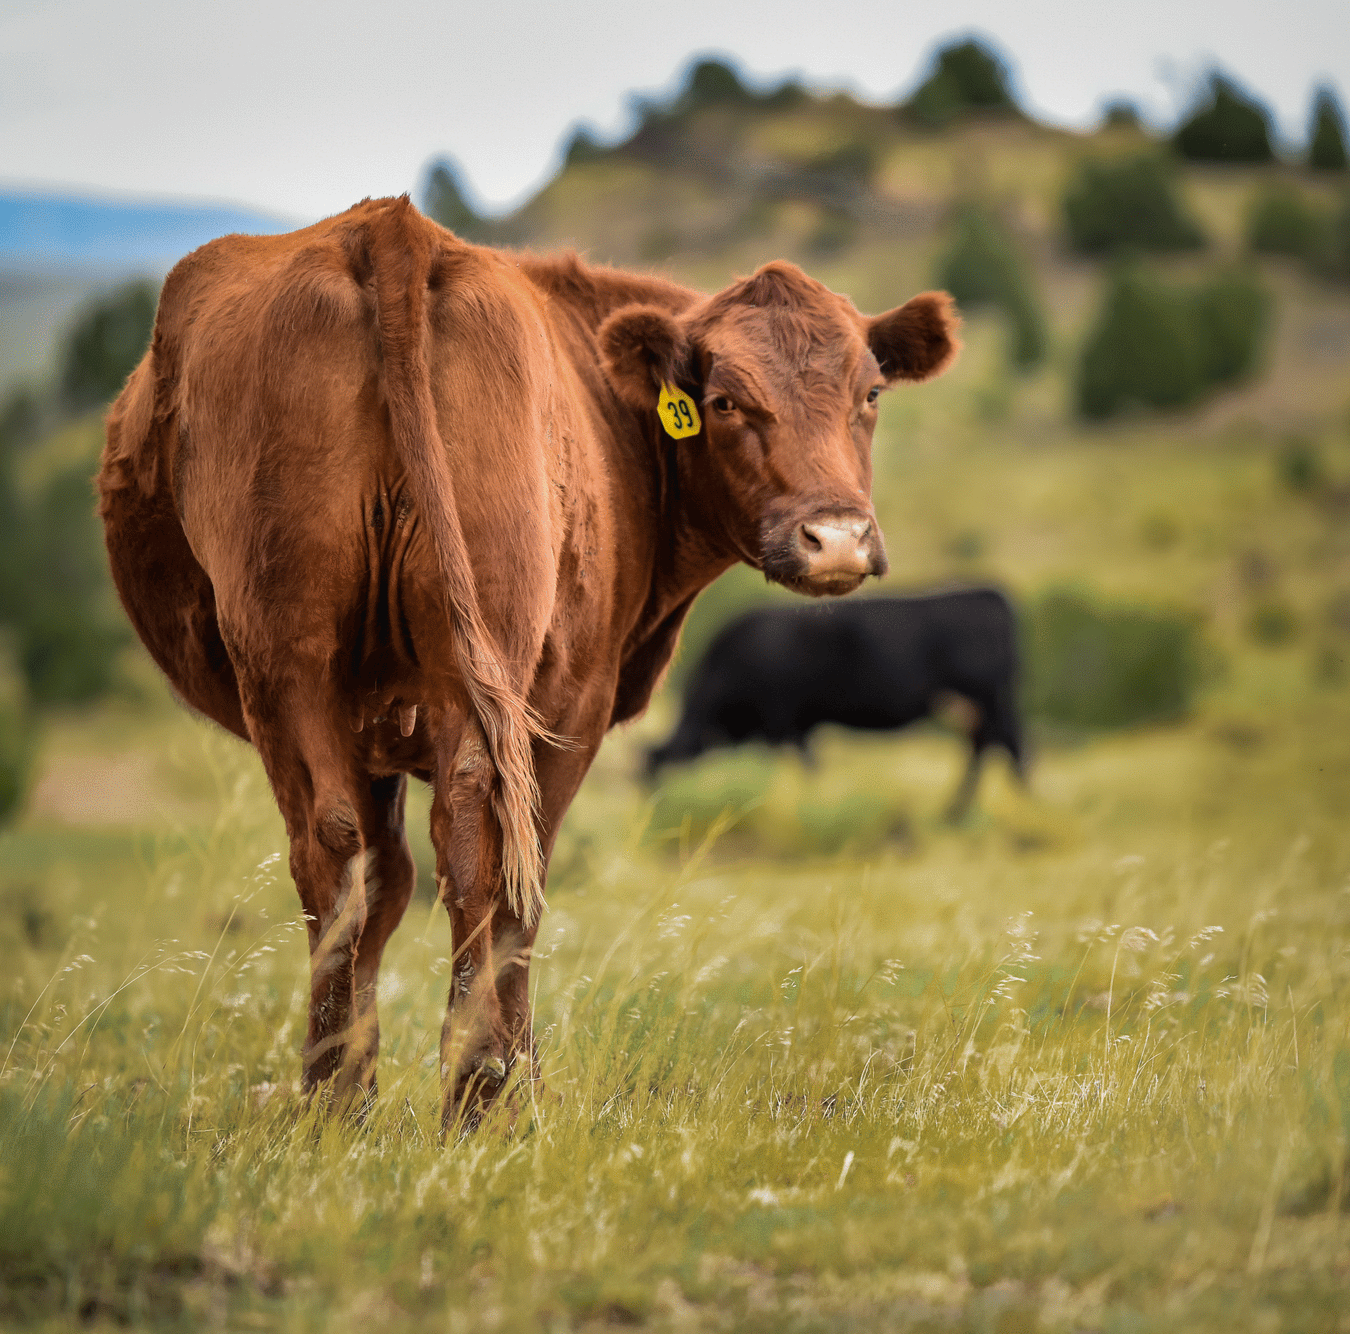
(918, 340)
(642, 348)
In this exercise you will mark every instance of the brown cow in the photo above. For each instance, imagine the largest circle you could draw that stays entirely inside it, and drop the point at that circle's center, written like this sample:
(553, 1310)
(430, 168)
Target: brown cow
(385, 503)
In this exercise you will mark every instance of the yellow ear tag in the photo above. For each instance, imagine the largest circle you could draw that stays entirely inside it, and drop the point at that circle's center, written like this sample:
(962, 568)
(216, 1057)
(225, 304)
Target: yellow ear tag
(678, 412)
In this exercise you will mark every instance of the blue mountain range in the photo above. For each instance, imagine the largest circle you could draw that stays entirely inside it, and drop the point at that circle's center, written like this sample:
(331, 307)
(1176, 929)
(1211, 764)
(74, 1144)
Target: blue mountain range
(57, 230)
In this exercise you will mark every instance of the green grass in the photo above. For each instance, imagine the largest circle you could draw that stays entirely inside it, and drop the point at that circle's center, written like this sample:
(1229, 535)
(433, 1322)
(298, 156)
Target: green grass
(813, 1058)
(1082, 1063)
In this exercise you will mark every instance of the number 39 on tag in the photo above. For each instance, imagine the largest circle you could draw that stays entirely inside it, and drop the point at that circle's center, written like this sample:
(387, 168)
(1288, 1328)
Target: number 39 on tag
(678, 412)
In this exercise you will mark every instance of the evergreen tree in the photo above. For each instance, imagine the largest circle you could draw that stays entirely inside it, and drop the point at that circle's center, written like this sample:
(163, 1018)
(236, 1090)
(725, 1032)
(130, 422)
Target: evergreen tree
(1231, 127)
(583, 147)
(443, 200)
(712, 83)
(1326, 147)
(968, 76)
(106, 343)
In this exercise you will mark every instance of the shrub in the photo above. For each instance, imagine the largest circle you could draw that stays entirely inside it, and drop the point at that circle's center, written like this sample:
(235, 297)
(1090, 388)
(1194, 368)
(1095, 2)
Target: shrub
(1127, 203)
(1299, 466)
(1281, 221)
(981, 266)
(1335, 258)
(1161, 346)
(967, 76)
(1230, 127)
(56, 597)
(1232, 312)
(1272, 622)
(1145, 349)
(107, 341)
(836, 231)
(1326, 142)
(1091, 665)
(16, 738)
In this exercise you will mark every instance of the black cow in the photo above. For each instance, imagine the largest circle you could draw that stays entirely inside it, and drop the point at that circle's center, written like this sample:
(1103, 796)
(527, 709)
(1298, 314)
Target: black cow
(871, 663)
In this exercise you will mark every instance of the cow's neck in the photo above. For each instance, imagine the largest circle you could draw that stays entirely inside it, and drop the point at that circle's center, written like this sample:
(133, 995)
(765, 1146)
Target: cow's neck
(681, 556)
(686, 555)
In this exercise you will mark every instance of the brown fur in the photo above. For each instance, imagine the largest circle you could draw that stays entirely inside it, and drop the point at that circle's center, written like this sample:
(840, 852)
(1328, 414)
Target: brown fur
(385, 503)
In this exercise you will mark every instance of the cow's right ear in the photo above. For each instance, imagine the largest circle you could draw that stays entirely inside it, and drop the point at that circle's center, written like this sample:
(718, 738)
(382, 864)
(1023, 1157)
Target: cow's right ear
(642, 348)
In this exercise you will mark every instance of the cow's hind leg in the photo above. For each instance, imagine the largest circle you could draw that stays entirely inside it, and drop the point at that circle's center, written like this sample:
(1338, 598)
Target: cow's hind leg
(965, 790)
(480, 1039)
(330, 810)
(389, 879)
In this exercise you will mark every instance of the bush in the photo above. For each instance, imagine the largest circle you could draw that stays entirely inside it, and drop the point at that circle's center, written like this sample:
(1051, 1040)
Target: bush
(16, 738)
(1163, 347)
(968, 76)
(1127, 203)
(1145, 349)
(1230, 127)
(1281, 221)
(56, 596)
(1326, 142)
(1093, 665)
(1232, 314)
(103, 348)
(982, 267)
(1335, 259)
(1299, 466)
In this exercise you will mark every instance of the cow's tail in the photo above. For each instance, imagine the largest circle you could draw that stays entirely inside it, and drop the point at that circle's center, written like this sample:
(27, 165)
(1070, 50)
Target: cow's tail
(400, 260)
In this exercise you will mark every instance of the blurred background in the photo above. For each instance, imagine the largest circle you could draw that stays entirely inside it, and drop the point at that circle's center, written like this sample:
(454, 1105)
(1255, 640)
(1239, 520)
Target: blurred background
(1089, 1042)
(1146, 442)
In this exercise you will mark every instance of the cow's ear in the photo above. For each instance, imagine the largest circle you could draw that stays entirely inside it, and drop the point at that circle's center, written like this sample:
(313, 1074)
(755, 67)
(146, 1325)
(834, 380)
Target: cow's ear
(642, 347)
(918, 340)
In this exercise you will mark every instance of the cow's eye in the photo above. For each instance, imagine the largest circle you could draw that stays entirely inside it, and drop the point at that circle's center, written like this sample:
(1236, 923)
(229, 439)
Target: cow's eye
(723, 404)
(874, 393)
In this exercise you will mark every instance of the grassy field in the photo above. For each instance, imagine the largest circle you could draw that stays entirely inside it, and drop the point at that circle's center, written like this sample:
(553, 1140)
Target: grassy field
(813, 1058)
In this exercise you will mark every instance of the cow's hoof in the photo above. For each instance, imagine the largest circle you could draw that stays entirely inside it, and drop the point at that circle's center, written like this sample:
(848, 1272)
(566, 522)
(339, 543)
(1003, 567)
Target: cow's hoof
(493, 1068)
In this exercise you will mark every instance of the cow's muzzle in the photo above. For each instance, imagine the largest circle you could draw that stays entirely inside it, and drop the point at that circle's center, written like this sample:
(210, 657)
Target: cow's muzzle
(827, 554)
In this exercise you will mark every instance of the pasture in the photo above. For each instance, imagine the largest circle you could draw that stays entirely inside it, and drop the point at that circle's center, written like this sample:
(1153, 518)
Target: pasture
(813, 1059)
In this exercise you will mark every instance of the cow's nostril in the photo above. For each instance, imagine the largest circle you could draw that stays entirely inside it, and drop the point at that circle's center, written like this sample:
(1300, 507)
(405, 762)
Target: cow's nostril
(809, 540)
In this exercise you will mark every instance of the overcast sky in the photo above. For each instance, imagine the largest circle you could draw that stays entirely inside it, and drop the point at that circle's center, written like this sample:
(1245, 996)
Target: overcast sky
(301, 107)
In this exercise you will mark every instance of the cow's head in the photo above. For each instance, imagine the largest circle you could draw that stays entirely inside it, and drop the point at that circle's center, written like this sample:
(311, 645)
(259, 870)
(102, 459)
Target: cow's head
(786, 376)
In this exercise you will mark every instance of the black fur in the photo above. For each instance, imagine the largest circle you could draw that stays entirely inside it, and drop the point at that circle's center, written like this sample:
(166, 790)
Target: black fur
(871, 663)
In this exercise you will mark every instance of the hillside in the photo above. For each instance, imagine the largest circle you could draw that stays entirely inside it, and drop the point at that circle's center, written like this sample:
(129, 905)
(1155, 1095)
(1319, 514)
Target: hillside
(990, 473)
(59, 251)
(813, 1057)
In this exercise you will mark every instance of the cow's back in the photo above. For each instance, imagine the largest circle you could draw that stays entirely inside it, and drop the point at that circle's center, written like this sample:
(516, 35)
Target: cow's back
(271, 427)
(966, 636)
